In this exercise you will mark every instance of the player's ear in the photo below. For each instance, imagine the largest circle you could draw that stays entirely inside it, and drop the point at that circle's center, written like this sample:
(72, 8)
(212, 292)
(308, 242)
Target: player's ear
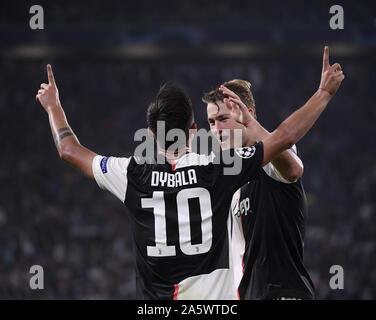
(252, 112)
(192, 131)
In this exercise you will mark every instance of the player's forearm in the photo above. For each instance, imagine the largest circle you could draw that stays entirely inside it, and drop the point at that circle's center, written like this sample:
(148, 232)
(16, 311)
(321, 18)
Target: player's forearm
(295, 127)
(67, 144)
(287, 164)
(298, 124)
(62, 133)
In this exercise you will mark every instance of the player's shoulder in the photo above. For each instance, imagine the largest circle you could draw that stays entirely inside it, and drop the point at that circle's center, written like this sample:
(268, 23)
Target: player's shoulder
(110, 163)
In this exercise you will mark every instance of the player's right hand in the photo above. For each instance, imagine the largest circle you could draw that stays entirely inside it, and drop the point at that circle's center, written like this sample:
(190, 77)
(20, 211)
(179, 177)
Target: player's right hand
(239, 111)
(48, 95)
(331, 76)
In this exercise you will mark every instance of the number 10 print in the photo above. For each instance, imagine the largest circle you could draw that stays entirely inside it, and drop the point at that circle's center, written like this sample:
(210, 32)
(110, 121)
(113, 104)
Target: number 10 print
(157, 202)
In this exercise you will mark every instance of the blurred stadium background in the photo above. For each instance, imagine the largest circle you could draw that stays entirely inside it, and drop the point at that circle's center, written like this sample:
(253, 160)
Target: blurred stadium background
(109, 59)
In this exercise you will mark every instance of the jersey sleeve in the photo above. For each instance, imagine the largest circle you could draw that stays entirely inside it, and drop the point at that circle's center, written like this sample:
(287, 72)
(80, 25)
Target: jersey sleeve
(110, 173)
(251, 159)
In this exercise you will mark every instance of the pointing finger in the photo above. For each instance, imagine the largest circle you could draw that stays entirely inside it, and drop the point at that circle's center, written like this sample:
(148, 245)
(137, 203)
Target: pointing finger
(51, 78)
(325, 59)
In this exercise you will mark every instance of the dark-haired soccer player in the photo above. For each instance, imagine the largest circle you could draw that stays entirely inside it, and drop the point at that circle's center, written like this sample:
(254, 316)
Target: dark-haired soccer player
(269, 213)
(179, 210)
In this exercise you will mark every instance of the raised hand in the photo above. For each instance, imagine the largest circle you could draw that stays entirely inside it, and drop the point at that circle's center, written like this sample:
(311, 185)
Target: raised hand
(48, 95)
(239, 111)
(331, 76)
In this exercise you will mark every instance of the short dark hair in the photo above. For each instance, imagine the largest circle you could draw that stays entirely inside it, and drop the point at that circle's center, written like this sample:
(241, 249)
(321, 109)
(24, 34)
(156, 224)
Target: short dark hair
(241, 87)
(173, 106)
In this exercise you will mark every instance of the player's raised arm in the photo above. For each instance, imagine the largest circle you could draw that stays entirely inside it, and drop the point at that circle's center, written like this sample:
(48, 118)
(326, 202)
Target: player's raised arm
(288, 164)
(67, 144)
(297, 125)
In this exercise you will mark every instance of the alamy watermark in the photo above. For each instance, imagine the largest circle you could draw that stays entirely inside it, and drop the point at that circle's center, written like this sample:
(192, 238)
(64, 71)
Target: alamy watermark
(37, 20)
(337, 280)
(219, 153)
(37, 280)
(337, 21)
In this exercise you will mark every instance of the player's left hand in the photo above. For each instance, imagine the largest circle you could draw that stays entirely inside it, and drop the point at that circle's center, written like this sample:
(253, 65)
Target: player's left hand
(239, 111)
(331, 75)
(48, 95)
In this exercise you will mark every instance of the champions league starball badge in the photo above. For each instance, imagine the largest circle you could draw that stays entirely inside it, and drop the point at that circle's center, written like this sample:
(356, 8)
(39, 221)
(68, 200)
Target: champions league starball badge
(246, 152)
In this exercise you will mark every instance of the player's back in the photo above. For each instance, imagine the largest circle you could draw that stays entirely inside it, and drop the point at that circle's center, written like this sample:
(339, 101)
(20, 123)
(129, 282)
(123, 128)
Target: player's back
(179, 214)
(187, 247)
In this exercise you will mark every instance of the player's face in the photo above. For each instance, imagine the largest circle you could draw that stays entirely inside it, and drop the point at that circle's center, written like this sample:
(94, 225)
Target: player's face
(222, 125)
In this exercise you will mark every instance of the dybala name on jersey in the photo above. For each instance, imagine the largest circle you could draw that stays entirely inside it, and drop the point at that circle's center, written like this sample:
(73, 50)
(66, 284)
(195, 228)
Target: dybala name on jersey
(173, 180)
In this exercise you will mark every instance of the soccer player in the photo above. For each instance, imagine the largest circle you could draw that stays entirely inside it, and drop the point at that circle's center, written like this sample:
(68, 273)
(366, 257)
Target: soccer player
(269, 213)
(179, 209)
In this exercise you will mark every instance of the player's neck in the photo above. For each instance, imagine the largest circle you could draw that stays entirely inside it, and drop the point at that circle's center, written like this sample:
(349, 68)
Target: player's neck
(173, 155)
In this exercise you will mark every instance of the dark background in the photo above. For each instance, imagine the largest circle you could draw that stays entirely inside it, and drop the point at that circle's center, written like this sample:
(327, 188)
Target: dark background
(109, 59)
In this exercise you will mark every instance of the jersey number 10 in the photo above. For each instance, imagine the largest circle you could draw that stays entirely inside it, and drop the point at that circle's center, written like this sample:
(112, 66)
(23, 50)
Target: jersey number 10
(157, 202)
